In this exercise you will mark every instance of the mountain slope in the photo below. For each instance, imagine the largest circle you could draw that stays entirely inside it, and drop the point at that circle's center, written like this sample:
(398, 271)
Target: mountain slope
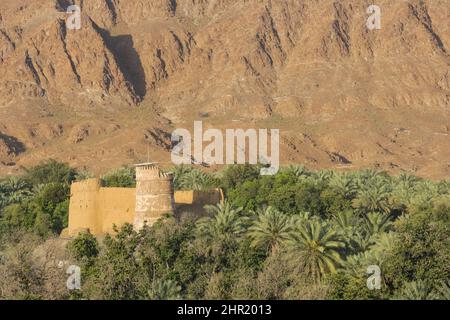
(342, 95)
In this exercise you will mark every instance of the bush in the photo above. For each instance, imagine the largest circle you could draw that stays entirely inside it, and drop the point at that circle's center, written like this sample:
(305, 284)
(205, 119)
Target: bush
(121, 178)
(84, 247)
(50, 171)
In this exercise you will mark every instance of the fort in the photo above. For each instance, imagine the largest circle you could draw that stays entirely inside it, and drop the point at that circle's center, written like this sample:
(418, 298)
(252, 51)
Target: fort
(97, 209)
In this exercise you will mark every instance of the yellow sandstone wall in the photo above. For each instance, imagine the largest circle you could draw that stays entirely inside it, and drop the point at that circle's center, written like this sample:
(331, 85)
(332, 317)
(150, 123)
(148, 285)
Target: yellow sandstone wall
(96, 209)
(199, 197)
(116, 207)
(83, 210)
(191, 203)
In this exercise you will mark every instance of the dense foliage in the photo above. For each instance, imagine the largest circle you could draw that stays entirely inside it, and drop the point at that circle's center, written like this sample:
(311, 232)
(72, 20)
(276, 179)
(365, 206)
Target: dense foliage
(296, 235)
(37, 201)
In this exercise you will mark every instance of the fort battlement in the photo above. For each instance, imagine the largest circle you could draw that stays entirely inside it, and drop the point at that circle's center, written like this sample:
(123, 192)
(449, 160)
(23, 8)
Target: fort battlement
(86, 185)
(149, 171)
(97, 209)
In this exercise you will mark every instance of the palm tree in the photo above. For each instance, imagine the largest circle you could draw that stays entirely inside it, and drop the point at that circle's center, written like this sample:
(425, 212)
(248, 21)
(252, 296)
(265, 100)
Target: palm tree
(442, 291)
(197, 180)
(178, 173)
(316, 246)
(270, 229)
(298, 171)
(165, 290)
(346, 221)
(324, 175)
(348, 225)
(14, 190)
(403, 190)
(401, 196)
(226, 222)
(361, 241)
(356, 264)
(444, 187)
(383, 245)
(377, 223)
(373, 198)
(427, 191)
(344, 185)
(301, 217)
(415, 290)
(374, 252)
(84, 175)
(407, 179)
(367, 175)
(39, 188)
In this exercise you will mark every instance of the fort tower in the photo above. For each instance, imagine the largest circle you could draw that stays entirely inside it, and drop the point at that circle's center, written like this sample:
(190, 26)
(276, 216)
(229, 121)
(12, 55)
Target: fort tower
(154, 194)
(84, 207)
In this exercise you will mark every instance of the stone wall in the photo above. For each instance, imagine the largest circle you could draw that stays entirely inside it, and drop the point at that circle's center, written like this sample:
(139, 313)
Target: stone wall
(97, 209)
(116, 207)
(194, 196)
(83, 210)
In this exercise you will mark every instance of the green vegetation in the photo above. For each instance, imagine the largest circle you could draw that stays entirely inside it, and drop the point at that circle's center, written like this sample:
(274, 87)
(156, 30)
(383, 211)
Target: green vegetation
(298, 234)
(37, 201)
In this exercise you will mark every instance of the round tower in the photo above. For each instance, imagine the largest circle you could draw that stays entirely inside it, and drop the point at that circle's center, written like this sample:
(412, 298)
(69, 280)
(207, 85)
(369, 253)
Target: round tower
(83, 211)
(154, 194)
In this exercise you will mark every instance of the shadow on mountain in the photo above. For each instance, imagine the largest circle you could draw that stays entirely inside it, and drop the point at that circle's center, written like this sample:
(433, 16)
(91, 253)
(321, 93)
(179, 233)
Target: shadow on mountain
(12, 144)
(129, 61)
(127, 58)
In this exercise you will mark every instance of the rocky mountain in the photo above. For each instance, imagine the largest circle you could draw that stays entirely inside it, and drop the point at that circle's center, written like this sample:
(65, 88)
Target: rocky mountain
(342, 95)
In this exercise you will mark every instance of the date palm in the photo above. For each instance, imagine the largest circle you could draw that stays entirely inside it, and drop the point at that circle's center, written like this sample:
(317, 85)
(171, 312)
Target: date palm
(344, 185)
(299, 171)
(14, 189)
(367, 175)
(324, 175)
(356, 264)
(441, 291)
(401, 196)
(316, 247)
(197, 180)
(404, 188)
(427, 191)
(383, 246)
(373, 198)
(270, 230)
(347, 223)
(376, 223)
(415, 290)
(225, 223)
(165, 290)
(407, 179)
(178, 173)
(444, 186)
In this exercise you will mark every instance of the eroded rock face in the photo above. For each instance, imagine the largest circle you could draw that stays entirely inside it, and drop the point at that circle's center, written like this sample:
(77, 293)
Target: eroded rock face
(60, 66)
(337, 90)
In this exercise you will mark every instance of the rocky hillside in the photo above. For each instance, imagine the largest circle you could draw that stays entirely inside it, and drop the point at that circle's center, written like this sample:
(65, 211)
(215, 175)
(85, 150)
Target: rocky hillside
(343, 96)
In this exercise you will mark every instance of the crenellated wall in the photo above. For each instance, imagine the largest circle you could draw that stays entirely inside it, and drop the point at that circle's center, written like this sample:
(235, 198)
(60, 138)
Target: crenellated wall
(97, 209)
